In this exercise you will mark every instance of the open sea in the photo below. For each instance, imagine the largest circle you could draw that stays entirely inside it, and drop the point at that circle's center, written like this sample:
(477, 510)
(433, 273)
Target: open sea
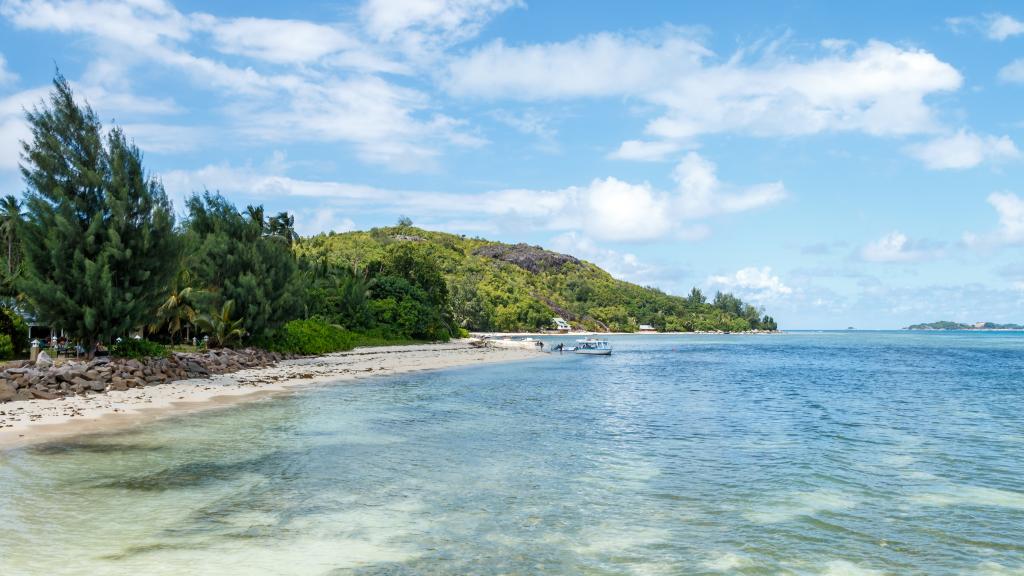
(832, 453)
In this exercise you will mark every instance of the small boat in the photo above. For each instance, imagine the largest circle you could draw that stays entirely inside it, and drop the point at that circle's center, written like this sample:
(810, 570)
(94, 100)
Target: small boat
(593, 347)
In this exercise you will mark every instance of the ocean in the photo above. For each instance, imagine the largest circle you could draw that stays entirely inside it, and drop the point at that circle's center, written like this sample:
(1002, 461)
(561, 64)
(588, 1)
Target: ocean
(838, 453)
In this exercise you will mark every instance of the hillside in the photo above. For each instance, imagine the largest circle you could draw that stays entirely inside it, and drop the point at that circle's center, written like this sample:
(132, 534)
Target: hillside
(502, 287)
(947, 325)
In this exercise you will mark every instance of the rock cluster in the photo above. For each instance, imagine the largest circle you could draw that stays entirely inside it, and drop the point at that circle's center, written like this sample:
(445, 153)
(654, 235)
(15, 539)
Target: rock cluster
(48, 381)
(530, 258)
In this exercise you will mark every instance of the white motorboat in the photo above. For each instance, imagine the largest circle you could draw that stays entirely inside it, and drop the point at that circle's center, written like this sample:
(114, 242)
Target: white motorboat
(593, 347)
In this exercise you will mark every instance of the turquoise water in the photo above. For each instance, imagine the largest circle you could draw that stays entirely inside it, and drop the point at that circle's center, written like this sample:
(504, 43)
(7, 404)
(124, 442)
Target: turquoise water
(830, 453)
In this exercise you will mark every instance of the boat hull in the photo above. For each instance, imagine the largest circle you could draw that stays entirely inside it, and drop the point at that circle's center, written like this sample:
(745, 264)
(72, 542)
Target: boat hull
(603, 352)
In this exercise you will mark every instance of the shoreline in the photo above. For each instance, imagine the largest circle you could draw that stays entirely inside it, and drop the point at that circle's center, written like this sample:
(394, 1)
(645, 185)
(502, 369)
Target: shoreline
(584, 333)
(32, 421)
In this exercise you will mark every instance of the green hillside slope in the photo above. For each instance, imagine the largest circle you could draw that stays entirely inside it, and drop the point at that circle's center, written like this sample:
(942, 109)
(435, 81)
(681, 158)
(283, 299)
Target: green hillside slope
(502, 287)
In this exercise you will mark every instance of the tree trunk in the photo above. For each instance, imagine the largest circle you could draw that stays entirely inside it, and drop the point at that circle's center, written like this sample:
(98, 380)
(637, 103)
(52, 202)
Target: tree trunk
(90, 351)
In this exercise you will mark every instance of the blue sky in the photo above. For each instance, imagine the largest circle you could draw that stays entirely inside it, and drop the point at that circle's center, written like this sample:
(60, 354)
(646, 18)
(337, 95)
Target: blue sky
(841, 165)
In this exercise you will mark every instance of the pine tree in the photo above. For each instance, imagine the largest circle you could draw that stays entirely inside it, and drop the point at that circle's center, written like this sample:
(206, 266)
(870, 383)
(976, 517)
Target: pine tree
(98, 238)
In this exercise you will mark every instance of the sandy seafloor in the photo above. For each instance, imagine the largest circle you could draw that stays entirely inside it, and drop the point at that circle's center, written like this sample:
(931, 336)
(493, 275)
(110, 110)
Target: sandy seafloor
(39, 420)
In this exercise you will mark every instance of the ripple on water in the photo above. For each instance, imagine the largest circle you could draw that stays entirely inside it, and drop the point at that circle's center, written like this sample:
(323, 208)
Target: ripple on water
(794, 505)
(826, 454)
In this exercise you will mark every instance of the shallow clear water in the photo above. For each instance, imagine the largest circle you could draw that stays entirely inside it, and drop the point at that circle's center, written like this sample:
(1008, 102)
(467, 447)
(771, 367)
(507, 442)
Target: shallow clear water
(831, 453)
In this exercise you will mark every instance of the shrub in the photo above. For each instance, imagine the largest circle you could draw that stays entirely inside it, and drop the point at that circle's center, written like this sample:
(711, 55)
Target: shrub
(6, 348)
(14, 327)
(381, 337)
(132, 348)
(309, 337)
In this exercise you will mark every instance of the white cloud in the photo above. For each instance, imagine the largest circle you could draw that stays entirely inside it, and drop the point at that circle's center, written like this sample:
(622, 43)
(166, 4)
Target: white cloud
(310, 222)
(1013, 72)
(141, 23)
(892, 248)
(528, 123)
(383, 120)
(420, 28)
(260, 181)
(645, 150)
(13, 128)
(1001, 27)
(617, 210)
(532, 123)
(605, 209)
(165, 138)
(701, 194)
(963, 150)
(385, 123)
(280, 41)
(996, 26)
(622, 265)
(1010, 209)
(877, 89)
(152, 137)
(604, 64)
(756, 284)
(6, 76)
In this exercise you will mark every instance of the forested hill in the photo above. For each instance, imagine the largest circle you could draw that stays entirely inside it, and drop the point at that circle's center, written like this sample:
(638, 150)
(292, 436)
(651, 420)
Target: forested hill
(947, 325)
(501, 287)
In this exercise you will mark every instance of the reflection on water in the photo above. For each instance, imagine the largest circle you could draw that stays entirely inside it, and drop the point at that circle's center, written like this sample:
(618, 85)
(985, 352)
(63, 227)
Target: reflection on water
(799, 454)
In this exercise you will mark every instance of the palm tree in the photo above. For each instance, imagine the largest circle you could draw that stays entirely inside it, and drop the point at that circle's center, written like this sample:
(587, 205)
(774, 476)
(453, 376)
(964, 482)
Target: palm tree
(219, 326)
(176, 310)
(255, 214)
(283, 225)
(10, 218)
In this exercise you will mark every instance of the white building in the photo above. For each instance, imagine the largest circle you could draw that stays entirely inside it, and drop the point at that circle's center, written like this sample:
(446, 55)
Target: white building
(560, 324)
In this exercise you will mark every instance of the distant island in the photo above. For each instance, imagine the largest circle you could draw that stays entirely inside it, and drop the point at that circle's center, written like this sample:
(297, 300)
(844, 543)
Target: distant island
(947, 325)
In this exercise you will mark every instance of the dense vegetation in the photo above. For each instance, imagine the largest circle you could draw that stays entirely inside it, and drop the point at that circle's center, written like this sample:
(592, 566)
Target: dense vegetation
(947, 325)
(95, 251)
(501, 287)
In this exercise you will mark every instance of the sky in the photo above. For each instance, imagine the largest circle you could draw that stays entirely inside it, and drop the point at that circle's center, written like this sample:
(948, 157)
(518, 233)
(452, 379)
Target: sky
(839, 164)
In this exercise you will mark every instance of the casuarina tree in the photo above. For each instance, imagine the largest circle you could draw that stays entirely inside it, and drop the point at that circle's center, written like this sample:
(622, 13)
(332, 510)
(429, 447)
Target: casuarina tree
(233, 257)
(98, 236)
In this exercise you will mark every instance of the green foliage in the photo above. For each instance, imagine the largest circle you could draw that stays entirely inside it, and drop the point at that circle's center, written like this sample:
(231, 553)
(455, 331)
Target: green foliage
(948, 325)
(409, 292)
(99, 232)
(221, 326)
(14, 327)
(233, 257)
(338, 294)
(515, 288)
(11, 218)
(6, 347)
(310, 337)
(138, 349)
(317, 336)
(176, 312)
(380, 337)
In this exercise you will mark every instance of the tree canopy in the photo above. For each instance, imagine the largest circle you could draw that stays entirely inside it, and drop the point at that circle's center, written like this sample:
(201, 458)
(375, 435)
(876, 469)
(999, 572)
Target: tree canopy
(98, 232)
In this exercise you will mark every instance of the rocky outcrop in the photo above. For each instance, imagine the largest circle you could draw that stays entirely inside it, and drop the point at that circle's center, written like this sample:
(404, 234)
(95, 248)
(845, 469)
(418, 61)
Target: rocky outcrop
(48, 381)
(533, 259)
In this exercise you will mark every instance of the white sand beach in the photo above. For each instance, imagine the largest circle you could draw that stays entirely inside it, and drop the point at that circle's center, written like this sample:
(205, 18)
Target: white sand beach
(40, 420)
